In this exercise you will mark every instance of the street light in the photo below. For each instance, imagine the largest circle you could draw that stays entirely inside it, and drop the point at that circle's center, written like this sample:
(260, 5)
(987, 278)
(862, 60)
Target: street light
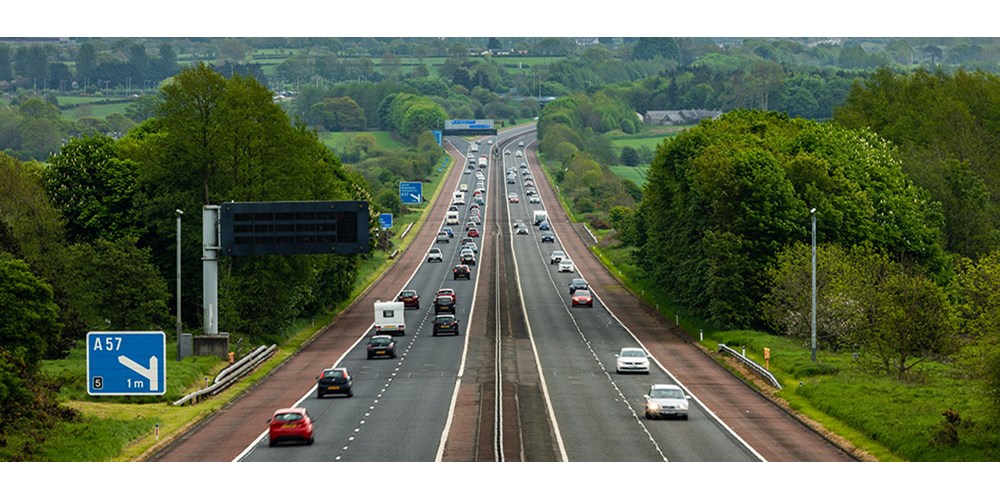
(812, 212)
(179, 213)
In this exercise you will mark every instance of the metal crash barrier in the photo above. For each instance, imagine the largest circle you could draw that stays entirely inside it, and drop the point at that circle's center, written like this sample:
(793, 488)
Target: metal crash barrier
(230, 375)
(749, 363)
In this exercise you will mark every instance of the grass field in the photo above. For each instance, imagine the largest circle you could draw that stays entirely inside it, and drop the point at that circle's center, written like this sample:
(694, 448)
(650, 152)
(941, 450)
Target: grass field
(634, 174)
(336, 140)
(97, 107)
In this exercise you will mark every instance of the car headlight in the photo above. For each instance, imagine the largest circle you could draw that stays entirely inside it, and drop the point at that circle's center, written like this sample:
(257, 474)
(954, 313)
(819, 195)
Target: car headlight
(652, 406)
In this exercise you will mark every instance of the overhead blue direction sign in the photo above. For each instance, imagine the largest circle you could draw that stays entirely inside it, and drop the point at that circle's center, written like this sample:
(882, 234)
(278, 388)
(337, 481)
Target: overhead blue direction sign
(126, 363)
(411, 192)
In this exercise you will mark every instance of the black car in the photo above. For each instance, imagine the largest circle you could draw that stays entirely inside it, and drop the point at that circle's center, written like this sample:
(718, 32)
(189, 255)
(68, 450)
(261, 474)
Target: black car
(468, 258)
(334, 381)
(444, 304)
(462, 271)
(444, 323)
(381, 345)
(578, 284)
(548, 238)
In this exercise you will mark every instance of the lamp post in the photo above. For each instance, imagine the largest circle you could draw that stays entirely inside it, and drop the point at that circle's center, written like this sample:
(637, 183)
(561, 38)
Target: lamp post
(812, 212)
(179, 213)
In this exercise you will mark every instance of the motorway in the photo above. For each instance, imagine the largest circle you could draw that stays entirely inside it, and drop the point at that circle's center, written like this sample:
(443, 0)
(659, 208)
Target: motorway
(528, 379)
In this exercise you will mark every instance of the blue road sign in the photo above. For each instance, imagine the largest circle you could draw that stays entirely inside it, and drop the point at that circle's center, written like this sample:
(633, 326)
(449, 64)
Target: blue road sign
(385, 220)
(438, 135)
(126, 363)
(411, 192)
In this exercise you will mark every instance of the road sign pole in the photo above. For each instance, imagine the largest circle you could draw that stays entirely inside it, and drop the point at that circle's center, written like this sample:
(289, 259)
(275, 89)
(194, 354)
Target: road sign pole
(210, 268)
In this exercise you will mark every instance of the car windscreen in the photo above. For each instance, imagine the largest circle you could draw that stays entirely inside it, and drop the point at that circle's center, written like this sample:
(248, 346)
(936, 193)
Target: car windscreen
(667, 394)
(633, 354)
(335, 375)
(288, 417)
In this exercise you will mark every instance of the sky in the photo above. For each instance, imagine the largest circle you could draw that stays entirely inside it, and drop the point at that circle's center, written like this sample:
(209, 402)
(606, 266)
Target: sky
(454, 18)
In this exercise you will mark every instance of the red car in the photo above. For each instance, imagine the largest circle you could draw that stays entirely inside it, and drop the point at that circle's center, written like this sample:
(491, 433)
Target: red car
(513, 198)
(290, 424)
(473, 233)
(449, 292)
(409, 298)
(583, 298)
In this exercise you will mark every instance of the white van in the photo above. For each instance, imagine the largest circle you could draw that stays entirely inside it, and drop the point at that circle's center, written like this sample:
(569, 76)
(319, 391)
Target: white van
(451, 218)
(539, 217)
(389, 318)
(458, 198)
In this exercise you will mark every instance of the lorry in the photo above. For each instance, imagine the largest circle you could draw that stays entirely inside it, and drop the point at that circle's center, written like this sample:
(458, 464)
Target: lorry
(389, 318)
(451, 217)
(539, 217)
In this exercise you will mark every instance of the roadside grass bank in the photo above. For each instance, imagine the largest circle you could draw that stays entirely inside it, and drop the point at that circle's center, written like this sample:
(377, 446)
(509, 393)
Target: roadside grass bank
(891, 420)
(121, 429)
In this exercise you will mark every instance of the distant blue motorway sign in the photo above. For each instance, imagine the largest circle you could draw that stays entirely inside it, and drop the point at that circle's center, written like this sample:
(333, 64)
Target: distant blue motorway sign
(385, 220)
(411, 192)
(126, 363)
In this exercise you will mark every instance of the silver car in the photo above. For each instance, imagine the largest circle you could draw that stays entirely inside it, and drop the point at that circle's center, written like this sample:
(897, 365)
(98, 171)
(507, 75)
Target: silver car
(632, 360)
(666, 400)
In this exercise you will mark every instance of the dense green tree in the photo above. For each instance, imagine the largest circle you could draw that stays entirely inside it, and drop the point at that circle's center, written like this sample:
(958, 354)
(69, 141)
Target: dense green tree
(86, 64)
(648, 48)
(29, 313)
(943, 126)
(913, 323)
(630, 156)
(93, 188)
(139, 59)
(6, 70)
(725, 197)
(216, 140)
(340, 114)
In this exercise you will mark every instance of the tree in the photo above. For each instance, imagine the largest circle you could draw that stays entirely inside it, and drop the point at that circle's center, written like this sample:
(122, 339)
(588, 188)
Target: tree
(120, 288)
(6, 71)
(648, 47)
(93, 188)
(630, 156)
(340, 114)
(839, 290)
(86, 64)
(139, 60)
(913, 322)
(214, 140)
(724, 197)
(29, 313)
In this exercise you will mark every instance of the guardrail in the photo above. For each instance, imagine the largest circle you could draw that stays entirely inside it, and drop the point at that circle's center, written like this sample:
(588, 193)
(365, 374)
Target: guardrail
(229, 375)
(590, 233)
(749, 363)
(406, 231)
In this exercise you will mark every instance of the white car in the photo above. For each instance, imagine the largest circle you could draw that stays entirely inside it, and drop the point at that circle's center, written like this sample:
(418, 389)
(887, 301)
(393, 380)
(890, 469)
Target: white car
(556, 256)
(632, 359)
(435, 255)
(667, 400)
(566, 266)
